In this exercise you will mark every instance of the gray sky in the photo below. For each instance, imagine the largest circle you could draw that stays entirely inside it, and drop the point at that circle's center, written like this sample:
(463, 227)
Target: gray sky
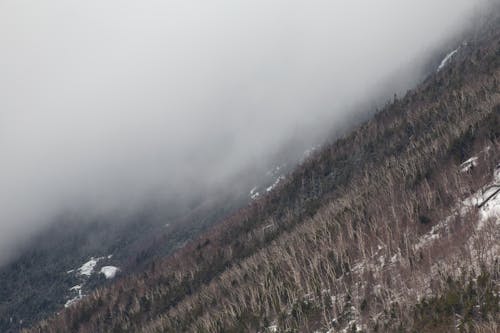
(105, 103)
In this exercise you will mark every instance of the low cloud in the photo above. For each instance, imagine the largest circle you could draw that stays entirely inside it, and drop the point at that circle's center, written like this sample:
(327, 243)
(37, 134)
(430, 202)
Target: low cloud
(105, 105)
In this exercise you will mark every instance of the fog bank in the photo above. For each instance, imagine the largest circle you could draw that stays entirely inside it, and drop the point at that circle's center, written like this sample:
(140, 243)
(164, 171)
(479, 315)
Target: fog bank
(107, 104)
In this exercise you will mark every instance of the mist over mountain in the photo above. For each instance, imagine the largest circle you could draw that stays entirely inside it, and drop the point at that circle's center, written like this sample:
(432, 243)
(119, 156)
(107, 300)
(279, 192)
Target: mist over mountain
(249, 166)
(108, 105)
(392, 225)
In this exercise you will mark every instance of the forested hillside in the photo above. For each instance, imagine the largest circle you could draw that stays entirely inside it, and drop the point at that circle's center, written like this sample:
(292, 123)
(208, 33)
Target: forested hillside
(393, 227)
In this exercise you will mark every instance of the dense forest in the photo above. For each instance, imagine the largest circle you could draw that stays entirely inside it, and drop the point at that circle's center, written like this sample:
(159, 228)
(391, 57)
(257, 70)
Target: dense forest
(385, 229)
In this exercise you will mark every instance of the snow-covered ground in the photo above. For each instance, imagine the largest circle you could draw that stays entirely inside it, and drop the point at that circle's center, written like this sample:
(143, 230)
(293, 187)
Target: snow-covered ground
(491, 209)
(75, 289)
(109, 271)
(72, 301)
(277, 174)
(276, 182)
(486, 200)
(488, 223)
(254, 194)
(273, 328)
(84, 272)
(469, 164)
(88, 267)
(446, 59)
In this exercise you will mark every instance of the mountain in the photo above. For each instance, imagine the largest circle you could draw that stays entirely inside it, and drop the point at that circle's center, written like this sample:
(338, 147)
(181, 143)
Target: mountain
(70, 259)
(392, 228)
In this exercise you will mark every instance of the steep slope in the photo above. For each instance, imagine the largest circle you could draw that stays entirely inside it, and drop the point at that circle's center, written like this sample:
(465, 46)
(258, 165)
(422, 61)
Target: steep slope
(375, 231)
(45, 278)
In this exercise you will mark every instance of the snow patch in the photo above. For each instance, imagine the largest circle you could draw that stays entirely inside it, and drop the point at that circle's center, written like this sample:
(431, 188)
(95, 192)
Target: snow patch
(273, 328)
(433, 234)
(84, 272)
(109, 271)
(491, 208)
(486, 200)
(276, 182)
(72, 301)
(78, 290)
(254, 194)
(446, 59)
(88, 267)
(496, 175)
(469, 164)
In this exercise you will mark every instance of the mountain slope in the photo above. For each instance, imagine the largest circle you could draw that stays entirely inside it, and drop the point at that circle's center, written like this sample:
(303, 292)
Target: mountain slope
(373, 232)
(44, 277)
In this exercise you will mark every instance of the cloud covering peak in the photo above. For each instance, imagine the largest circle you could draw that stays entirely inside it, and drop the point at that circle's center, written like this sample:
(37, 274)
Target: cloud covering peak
(105, 104)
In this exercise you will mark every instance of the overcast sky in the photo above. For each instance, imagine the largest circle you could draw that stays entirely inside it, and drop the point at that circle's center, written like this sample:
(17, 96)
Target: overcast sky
(104, 102)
